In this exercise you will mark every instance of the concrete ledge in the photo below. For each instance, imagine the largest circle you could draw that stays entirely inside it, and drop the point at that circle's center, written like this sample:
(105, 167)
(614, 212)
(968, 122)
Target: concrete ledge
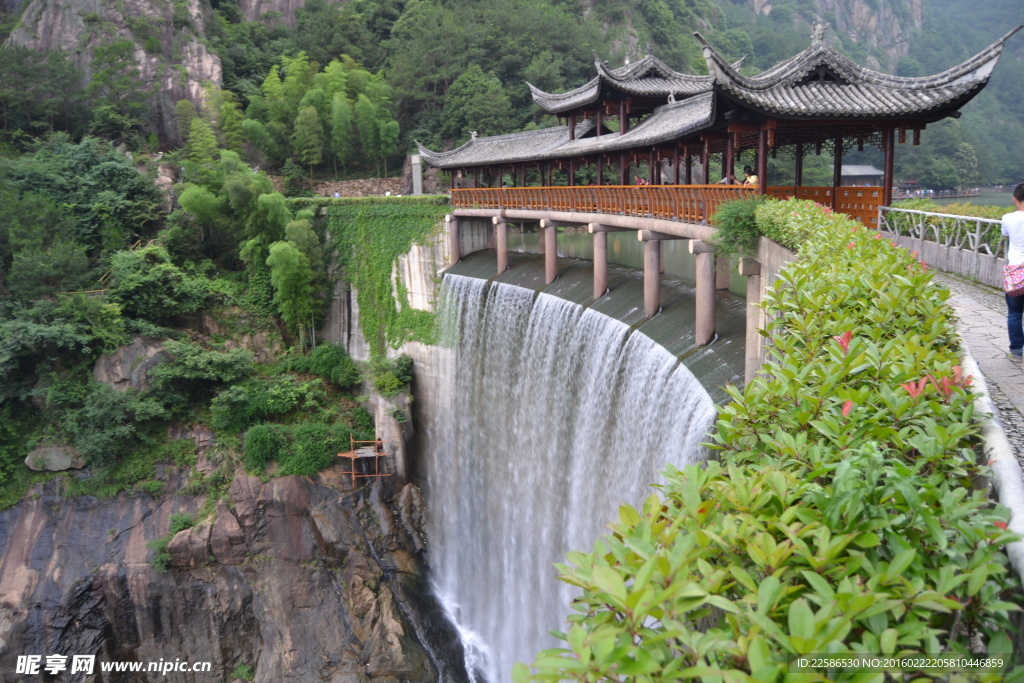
(1007, 477)
(675, 228)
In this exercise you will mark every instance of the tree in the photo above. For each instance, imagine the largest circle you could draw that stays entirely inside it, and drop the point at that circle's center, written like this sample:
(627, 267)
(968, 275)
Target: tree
(366, 124)
(966, 163)
(121, 100)
(202, 143)
(292, 279)
(232, 133)
(341, 129)
(476, 102)
(184, 113)
(308, 139)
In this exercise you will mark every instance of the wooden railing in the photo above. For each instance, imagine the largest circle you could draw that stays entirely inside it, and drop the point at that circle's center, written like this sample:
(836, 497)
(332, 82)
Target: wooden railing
(689, 203)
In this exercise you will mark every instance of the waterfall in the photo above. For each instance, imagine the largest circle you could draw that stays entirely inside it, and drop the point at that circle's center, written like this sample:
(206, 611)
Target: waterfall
(553, 416)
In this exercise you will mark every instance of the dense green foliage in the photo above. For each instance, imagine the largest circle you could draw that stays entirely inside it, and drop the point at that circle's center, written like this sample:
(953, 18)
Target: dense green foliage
(328, 362)
(736, 229)
(842, 516)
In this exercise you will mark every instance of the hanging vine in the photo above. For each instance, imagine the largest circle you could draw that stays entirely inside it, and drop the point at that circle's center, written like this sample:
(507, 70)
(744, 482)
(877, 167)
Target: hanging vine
(369, 236)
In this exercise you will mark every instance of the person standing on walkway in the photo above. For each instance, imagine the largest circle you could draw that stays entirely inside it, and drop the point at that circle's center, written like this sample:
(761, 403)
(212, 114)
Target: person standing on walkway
(1013, 227)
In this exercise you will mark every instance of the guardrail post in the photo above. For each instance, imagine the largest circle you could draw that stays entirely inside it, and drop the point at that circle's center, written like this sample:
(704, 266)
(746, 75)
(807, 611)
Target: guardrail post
(754, 349)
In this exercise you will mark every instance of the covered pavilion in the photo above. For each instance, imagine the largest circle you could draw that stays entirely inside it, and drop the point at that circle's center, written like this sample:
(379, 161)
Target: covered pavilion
(676, 124)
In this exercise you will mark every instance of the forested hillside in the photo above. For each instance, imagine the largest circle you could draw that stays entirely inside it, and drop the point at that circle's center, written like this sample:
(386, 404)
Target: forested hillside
(440, 69)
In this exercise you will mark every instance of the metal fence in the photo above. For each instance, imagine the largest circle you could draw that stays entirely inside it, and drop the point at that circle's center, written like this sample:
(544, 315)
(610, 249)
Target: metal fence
(980, 235)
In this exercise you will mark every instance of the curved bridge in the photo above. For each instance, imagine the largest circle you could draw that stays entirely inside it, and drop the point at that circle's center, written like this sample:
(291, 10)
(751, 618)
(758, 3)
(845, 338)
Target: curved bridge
(655, 214)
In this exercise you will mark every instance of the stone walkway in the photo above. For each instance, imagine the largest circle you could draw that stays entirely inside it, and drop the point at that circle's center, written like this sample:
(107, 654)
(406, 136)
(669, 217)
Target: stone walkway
(982, 325)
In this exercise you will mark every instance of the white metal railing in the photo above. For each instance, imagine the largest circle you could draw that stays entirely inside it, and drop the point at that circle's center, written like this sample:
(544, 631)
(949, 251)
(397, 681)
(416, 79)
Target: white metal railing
(980, 235)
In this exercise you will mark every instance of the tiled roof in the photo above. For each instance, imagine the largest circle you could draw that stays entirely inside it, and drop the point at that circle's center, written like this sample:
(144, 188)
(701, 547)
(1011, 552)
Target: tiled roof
(648, 77)
(816, 83)
(791, 89)
(531, 144)
(667, 122)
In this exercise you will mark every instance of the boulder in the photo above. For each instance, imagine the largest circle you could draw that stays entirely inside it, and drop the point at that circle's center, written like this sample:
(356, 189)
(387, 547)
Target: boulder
(190, 547)
(128, 367)
(227, 540)
(54, 459)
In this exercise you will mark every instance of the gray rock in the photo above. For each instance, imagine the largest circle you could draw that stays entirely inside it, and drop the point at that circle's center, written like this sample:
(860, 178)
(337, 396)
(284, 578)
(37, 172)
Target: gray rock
(127, 368)
(54, 459)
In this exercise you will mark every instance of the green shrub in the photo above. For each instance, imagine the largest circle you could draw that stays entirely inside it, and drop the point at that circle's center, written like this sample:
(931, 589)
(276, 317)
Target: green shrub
(314, 446)
(737, 231)
(842, 517)
(161, 559)
(193, 372)
(102, 423)
(391, 376)
(181, 521)
(239, 406)
(243, 671)
(330, 362)
(363, 425)
(263, 443)
(149, 286)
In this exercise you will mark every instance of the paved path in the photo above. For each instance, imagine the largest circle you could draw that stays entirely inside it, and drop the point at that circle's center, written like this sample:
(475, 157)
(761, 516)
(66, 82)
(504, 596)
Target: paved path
(982, 324)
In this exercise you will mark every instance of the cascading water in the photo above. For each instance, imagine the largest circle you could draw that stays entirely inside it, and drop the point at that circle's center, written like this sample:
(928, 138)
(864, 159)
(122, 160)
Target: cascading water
(554, 416)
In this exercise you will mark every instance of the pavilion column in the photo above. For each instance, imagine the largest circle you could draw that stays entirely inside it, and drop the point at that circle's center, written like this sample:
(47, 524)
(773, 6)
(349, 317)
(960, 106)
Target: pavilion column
(600, 119)
(888, 150)
(705, 161)
(675, 165)
(550, 251)
(572, 173)
(837, 171)
(798, 171)
(705, 277)
(729, 164)
(501, 243)
(650, 167)
(600, 169)
(623, 118)
(762, 162)
(688, 175)
(572, 127)
(454, 247)
(752, 363)
(623, 170)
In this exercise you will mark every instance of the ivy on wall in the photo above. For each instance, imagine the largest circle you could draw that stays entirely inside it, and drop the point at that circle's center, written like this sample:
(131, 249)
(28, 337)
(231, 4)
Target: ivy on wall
(369, 235)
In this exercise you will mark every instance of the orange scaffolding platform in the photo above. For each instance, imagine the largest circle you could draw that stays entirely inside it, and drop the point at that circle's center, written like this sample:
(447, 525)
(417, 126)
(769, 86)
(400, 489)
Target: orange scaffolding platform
(374, 450)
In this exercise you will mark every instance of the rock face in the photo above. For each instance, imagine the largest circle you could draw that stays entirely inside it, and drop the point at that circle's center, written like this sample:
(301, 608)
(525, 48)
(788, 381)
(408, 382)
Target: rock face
(294, 577)
(177, 70)
(127, 368)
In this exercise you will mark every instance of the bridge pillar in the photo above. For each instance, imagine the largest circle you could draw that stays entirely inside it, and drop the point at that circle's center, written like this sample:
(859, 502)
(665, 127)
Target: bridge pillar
(550, 251)
(501, 243)
(705, 277)
(752, 362)
(721, 272)
(652, 277)
(454, 249)
(600, 233)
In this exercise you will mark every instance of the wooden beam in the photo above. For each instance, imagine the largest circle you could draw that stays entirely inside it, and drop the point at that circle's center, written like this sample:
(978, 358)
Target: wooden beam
(888, 152)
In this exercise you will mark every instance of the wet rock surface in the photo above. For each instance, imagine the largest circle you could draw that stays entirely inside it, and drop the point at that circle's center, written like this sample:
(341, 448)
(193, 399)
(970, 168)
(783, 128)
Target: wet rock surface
(300, 579)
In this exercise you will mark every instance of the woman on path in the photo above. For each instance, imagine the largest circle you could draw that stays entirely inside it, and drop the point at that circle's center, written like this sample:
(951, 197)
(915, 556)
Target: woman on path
(1013, 227)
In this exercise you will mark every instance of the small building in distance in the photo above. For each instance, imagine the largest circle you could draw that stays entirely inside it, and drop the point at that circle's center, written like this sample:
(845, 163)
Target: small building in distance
(857, 175)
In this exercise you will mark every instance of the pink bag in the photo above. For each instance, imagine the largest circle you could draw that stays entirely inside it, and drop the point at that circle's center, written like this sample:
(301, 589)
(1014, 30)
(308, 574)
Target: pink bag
(1013, 279)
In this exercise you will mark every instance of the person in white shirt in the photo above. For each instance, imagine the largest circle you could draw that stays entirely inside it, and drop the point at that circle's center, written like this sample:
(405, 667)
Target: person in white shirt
(1013, 227)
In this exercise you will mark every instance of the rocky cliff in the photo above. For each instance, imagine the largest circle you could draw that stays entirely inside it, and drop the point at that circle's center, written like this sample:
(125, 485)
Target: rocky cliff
(882, 27)
(172, 59)
(303, 580)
